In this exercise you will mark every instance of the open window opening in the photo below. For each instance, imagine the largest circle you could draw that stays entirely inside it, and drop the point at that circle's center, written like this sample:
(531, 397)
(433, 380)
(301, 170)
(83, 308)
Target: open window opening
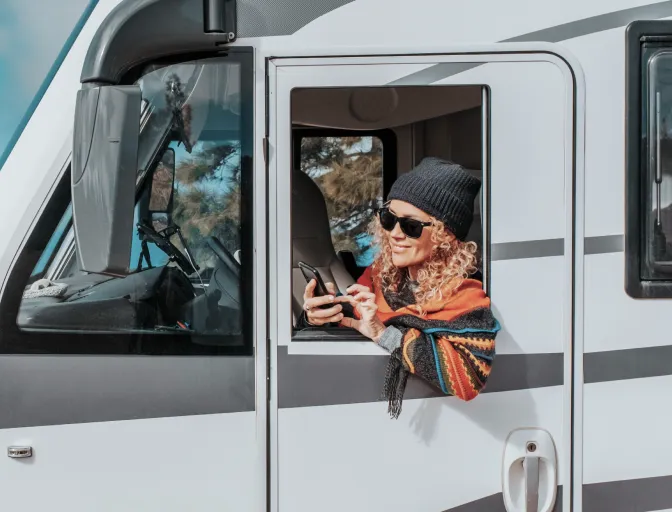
(349, 146)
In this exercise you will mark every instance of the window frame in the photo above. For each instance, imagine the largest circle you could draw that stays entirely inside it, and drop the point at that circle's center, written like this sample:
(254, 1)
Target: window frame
(14, 340)
(343, 334)
(636, 175)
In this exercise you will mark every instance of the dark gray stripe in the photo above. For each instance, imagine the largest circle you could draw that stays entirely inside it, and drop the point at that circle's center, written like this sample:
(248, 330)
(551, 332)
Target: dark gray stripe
(596, 24)
(527, 249)
(554, 247)
(495, 503)
(435, 73)
(555, 34)
(53, 390)
(635, 363)
(641, 495)
(312, 380)
(263, 18)
(603, 244)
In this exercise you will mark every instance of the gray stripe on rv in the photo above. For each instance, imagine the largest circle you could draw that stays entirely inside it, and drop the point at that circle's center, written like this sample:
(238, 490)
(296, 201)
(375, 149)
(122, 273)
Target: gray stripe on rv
(554, 247)
(435, 73)
(554, 34)
(495, 503)
(642, 494)
(53, 390)
(263, 18)
(311, 380)
(527, 249)
(645, 494)
(634, 363)
(603, 244)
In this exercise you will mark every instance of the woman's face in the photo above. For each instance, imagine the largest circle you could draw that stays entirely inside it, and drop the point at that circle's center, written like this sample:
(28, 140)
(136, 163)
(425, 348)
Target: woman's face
(406, 251)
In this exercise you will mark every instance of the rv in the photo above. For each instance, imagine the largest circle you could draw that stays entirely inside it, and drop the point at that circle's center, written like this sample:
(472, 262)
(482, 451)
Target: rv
(187, 154)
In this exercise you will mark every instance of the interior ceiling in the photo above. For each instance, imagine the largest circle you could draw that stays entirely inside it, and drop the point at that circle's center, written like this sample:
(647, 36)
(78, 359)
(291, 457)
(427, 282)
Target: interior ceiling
(372, 108)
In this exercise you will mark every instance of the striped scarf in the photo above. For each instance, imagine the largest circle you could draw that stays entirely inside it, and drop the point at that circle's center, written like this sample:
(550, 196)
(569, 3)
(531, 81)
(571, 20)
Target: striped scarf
(449, 343)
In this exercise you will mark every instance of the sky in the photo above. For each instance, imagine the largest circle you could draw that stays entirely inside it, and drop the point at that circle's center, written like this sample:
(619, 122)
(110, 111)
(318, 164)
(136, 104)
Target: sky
(32, 34)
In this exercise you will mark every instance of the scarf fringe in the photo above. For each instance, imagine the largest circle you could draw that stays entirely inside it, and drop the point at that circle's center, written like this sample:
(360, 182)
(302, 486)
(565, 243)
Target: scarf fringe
(396, 377)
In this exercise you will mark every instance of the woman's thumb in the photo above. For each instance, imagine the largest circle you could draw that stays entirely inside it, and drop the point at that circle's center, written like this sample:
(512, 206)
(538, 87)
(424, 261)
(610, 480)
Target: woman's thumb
(310, 288)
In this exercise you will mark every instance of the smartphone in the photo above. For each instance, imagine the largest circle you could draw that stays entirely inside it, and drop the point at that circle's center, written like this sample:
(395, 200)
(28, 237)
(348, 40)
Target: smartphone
(310, 272)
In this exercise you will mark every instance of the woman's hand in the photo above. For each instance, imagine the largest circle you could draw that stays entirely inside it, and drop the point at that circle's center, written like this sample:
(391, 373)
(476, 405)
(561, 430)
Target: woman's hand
(311, 305)
(365, 302)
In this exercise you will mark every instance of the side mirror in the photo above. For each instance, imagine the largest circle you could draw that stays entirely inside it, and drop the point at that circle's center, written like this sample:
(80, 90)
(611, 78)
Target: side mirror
(163, 181)
(161, 194)
(104, 169)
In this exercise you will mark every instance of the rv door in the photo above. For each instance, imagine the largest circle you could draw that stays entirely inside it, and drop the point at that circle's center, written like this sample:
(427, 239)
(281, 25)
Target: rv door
(333, 444)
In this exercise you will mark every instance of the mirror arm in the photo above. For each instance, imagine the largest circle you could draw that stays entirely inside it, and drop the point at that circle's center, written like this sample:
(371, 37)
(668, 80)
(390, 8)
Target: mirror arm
(144, 253)
(179, 122)
(175, 229)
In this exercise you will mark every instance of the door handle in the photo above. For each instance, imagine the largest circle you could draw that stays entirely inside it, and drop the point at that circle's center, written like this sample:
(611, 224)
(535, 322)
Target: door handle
(529, 471)
(19, 452)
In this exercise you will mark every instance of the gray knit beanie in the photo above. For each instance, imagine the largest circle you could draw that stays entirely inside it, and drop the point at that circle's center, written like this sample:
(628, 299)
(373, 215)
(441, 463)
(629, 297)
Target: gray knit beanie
(442, 189)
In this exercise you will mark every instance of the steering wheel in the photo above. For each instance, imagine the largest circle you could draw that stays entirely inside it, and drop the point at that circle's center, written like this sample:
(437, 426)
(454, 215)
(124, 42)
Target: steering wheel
(224, 255)
(150, 234)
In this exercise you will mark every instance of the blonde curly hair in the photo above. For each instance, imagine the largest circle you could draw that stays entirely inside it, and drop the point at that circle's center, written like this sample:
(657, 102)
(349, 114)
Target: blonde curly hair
(449, 264)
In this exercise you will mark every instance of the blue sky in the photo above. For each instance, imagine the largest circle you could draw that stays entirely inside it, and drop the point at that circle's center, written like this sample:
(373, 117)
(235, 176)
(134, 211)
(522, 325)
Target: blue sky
(32, 34)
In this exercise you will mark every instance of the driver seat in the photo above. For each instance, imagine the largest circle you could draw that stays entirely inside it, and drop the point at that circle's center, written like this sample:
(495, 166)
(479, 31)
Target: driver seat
(311, 240)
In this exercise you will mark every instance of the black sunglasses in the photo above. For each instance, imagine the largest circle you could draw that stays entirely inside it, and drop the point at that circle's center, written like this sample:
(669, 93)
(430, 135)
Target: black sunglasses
(411, 227)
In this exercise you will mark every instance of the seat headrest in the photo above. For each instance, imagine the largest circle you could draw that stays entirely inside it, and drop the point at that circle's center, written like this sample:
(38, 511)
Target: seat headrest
(311, 233)
(476, 229)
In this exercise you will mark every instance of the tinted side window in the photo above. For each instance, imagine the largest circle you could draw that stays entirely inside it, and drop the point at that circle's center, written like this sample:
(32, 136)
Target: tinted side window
(189, 290)
(657, 251)
(648, 152)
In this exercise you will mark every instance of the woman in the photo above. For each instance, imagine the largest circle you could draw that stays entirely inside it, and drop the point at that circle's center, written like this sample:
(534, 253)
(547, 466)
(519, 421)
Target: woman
(417, 301)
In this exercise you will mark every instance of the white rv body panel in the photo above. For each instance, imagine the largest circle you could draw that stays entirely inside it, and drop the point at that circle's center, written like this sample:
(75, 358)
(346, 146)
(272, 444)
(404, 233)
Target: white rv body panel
(330, 456)
(155, 464)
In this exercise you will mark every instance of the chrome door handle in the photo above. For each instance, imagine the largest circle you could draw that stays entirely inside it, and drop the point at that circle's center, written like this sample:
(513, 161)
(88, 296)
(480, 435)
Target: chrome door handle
(19, 452)
(531, 471)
